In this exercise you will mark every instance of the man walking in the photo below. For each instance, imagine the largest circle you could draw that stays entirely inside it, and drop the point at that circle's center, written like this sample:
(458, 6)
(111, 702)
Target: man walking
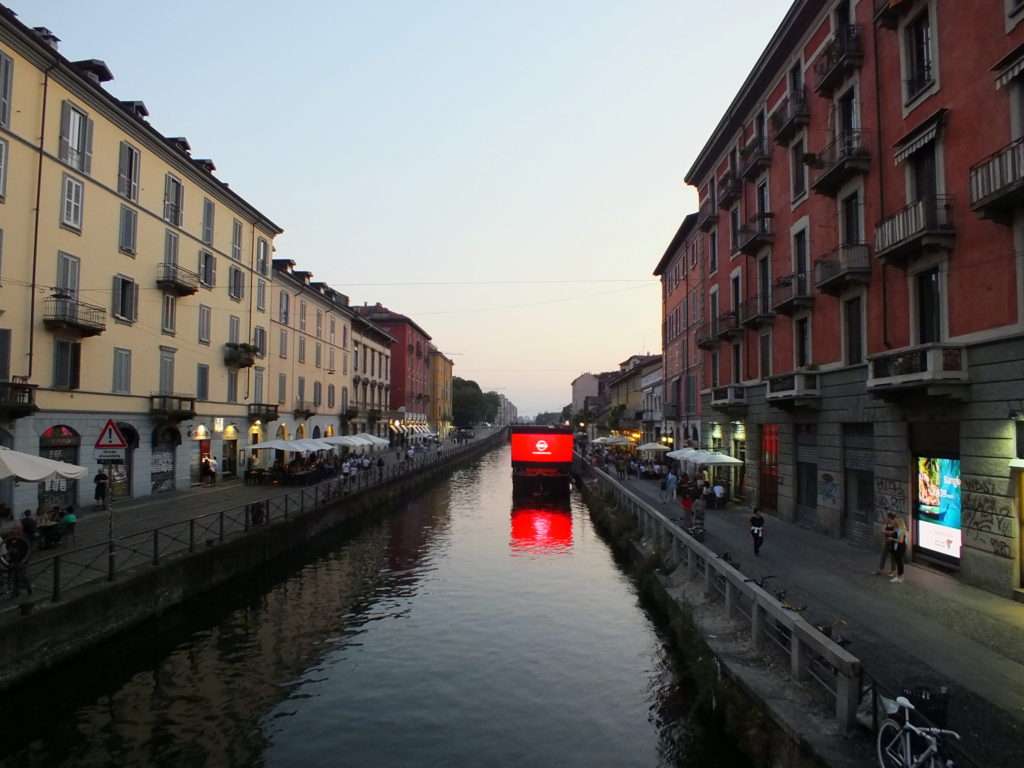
(757, 530)
(671, 484)
(101, 482)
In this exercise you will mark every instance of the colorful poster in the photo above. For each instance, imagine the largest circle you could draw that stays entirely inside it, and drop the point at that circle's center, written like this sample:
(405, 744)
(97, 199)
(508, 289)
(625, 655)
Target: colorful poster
(938, 505)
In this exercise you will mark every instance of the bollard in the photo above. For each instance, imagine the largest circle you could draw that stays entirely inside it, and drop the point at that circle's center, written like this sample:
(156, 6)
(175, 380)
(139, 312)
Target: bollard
(191, 534)
(55, 596)
(708, 575)
(757, 625)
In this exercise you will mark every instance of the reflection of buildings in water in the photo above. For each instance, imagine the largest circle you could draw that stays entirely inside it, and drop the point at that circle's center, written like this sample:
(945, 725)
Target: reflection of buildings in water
(541, 529)
(418, 525)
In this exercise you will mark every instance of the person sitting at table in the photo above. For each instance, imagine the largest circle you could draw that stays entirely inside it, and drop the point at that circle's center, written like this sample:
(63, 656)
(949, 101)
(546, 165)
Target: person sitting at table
(29, 526)
(69, 516)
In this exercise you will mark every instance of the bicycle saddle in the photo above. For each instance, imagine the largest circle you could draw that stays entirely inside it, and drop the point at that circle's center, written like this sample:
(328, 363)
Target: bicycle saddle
(904, 703)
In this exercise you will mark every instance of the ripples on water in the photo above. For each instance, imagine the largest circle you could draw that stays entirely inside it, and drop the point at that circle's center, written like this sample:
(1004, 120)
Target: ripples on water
(455, 632)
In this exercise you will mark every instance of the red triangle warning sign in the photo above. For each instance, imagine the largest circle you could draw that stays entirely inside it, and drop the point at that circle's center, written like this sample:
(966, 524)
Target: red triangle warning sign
(111, 437)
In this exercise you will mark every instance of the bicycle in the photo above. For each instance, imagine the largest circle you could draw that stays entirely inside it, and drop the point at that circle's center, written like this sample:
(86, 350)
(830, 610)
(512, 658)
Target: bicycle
(896, 743)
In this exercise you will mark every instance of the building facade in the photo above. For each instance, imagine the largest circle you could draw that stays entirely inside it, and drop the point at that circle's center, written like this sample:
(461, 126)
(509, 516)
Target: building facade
(653, 423)
(135, 283)
(507, 412)
(862, 239)
(369, 409)
(441, 368)
(583, 386)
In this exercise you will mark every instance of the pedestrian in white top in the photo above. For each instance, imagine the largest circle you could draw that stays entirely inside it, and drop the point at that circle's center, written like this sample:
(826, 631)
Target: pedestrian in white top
(719, 491)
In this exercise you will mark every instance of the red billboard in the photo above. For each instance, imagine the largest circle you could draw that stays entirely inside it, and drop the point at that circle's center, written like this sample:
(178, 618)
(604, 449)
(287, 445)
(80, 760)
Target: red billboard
(542, 447)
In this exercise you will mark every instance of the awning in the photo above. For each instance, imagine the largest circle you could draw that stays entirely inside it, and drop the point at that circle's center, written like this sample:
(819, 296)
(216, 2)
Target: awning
(919, 138)
(1009, 67)
(394, 428)
(25, 466)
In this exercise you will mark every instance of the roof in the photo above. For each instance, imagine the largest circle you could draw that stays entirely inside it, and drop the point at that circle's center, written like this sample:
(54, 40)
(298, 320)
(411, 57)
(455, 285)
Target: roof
(364, 326)
(588, 373)
(77, 73)
(689, 222)
(381, 315)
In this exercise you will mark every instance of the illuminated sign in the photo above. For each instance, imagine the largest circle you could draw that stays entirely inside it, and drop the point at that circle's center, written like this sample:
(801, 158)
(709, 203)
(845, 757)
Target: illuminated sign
(541, 531)
(938, 505)
(546, 448)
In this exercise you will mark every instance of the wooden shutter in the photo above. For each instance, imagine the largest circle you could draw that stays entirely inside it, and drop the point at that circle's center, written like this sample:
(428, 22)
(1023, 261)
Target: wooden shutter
(76, 362)
(5, 90)
(136, 162)
(124, 170)
(213, 270)
(87, 156)
(167, 199)
(116, 293)
(5, 354)
(135, 301)
(64, 148)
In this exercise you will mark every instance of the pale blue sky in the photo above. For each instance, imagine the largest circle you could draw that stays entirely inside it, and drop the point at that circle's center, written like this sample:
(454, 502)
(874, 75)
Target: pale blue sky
(451, 141)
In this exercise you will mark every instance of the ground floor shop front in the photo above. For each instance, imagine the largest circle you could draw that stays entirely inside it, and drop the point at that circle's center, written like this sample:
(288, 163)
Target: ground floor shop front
(837, 459)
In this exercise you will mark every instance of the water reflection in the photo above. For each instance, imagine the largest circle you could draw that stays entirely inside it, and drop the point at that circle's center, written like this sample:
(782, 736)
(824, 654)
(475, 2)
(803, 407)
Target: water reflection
(541, 530)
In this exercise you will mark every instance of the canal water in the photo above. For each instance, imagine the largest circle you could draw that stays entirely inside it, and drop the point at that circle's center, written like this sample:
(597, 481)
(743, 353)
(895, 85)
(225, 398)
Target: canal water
(456, 631)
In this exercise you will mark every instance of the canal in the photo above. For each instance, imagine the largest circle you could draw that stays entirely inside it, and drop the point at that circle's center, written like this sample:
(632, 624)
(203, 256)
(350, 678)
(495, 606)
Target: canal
(454, 632)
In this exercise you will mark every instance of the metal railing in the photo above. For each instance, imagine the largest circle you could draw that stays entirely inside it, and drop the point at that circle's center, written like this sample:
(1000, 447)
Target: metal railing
(730, 186)
(928, 215)
(754, 155)
(178, 277)
(855, 257)
(997, 173)
(792, 111)
(67, 311)
(928, 362)
(791, 287)
(845, 148)
(845, 49)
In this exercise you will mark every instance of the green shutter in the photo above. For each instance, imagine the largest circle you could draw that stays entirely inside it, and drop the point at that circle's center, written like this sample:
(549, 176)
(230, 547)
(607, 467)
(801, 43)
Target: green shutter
(64, 148)
(87, 157)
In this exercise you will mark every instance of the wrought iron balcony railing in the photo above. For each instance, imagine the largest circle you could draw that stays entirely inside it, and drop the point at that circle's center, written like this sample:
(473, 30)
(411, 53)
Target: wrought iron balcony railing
(843, 267)
(919, 227)
(842, 56)
(71, 315)
(997, 182)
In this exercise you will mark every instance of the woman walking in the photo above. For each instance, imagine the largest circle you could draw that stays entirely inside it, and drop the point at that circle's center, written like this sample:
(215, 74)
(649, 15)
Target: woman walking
(888, 546)
(899, 549)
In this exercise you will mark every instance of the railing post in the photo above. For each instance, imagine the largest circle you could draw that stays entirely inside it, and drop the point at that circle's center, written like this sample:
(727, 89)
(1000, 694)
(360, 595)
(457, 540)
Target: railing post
(156, 546)
(847, 700)
(220, 526)
(797, 656)
(708, 577)
(191, 534)
(757, 625)
(55, 596)
(730, 599)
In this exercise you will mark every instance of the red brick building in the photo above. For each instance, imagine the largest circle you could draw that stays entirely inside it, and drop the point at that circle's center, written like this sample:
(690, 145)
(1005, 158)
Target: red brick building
(861, 233)
(410, 362)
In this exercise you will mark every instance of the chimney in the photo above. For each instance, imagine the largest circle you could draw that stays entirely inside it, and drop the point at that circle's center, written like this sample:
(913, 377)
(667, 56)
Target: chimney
(180, 143)
(94, 70)
(137, 108)
(46, 37)
(206, 164)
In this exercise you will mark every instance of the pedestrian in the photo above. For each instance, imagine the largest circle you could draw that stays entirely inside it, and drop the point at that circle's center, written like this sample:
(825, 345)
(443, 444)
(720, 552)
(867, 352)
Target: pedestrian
(899, 549)
(888, 546)
(719, 491)
(212, 468)
(686, 502)
(101, 482)
(671, 485)
(18, 551)
(757, 530)
(29, 527)
(699, 506)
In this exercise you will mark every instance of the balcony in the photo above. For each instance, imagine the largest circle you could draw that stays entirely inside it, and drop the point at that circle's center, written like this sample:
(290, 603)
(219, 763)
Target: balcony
(707, 216)
(842, 57)
(756, 233)
(729, 325)
(935, 370)
(652, 415)
(757, 311)
(921, 227)
(845, 267)
(303, 408)
(729, 398)
(240, 355)
(671, 411)
(350, 411)
(755, 157)
(793, 390)
(729, 189)
(176, 280)
(172, 408)
(707, 335)
(264, 412)
(888, 12)
(17, 399)
(74, 317)
(373, 414)
(997, 183)
(845, 158)
(790, 116)
(792, 293)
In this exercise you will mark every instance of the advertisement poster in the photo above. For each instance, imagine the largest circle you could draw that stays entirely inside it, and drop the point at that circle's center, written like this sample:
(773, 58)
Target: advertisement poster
(938, 505)
(542, 447)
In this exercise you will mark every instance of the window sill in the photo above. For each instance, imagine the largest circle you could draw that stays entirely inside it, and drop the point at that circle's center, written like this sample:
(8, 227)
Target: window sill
(166, 332)
(71, 228)
(127, 252)
(798, 199)
(122, 320)
(912, 100)
(236, 299)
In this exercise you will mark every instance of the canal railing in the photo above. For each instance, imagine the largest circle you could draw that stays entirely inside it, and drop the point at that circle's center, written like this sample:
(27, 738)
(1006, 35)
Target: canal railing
(812, 655)
(53, 577)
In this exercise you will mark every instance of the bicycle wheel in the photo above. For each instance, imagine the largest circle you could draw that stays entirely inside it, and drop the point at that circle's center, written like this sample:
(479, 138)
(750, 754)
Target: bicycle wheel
(889, 743)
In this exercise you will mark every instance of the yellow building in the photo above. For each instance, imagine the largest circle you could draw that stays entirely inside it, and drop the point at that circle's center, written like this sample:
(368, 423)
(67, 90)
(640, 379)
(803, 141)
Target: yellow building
(369, 410)
(134, 284)
(440, 413)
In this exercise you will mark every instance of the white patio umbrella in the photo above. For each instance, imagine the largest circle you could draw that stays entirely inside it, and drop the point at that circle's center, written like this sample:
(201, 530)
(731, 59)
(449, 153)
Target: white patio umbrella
(273, 445)
(599, 441)
(680, 455)
(653, 447)
(617, 440)
(715, 459)
(35, 469)
(373, 440)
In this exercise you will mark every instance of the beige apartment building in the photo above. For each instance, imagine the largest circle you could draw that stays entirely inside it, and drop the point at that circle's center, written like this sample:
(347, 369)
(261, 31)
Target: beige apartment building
(369, 410)
(439, 413)
(134, 284)
(310, 343)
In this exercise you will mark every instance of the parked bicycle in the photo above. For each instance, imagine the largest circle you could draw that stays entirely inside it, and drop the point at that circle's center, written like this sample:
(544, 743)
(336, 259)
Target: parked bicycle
(910, 746)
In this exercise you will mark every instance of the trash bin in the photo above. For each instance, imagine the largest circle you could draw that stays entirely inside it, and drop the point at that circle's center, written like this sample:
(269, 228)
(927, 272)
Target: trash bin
(931, 702)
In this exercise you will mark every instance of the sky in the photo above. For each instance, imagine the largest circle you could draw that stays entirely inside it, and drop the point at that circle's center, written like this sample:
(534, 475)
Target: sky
(506, 174)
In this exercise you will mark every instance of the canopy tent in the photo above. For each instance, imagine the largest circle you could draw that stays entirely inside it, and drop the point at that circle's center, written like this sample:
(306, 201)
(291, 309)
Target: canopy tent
(273, 445)
(617, 440)
(683, 454)
(653, 447)
(379, 442)
(714, 458)
(307, 445)
(34, 469)
(599, 441)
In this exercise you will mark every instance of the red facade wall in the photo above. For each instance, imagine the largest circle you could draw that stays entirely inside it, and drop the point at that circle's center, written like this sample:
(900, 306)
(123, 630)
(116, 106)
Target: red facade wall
(410, 372)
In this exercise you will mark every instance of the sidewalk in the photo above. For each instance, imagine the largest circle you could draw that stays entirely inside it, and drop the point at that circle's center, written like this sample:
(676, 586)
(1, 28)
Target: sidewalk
(930, 630)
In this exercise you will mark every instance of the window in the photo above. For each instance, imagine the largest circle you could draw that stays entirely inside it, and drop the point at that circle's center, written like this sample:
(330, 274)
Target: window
(318, 356)
(234, 329)
(75, 138)
(283, 308)
(6, 85)
(319, 323)
(331, 329)
(317, 393)
(850, 230)
(300, 389)
(202, 382)
(765, 355)
(852, 316)
(259, 340)
(122, 383)
(128, 159)
(283, 351)
(125, 304)
(330, 396)
(302, 315)
(929, 307)
(127, 231)
(68, 269)
(207, 269)
(355, 358)
(344, 336)
(282, 388)
(236, 283)
(71, 203)
(257, 385)
(262, 258)
(807, 484)
(261, 295)
(205, 315)
(330, 360)
(236, 240)
(344, 398)
(3, 169)
(917, 42)
(714, 368)
(797, 169)
(802, 287)
(796, 81)
(208, 212)
(166, 371)
(167, 314)
(232, 386)
(737, 364)
(67, 361)
(302, 349)
(713, 253)
(170, 247)
(802, 332)
(174, 200)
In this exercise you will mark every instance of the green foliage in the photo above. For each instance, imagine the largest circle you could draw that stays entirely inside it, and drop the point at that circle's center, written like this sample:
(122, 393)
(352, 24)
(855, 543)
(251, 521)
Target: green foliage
(470, 405)
(548, 418)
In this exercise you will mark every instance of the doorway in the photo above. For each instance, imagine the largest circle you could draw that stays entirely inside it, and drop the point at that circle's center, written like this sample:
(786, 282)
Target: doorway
(59, 443)
(121, 474)
(768, 480)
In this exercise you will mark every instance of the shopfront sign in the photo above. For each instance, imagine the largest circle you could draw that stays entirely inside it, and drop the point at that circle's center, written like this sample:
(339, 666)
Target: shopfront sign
(937, 508)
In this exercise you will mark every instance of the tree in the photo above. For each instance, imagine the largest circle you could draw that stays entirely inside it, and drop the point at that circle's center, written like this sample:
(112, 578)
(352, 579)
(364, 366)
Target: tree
(467, 402)
(549, 418)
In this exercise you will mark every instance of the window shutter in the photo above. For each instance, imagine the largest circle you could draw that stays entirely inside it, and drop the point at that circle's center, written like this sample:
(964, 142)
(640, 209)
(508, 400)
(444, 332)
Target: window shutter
(116, 293)
(123, 170)
(87, 158)
(202, 275)
(5, 90)
(76, 361)
(167, 198)
(5, 355)
(213, 269)
(134, 187)
(135, 301)
(241, 284)
(64, 148)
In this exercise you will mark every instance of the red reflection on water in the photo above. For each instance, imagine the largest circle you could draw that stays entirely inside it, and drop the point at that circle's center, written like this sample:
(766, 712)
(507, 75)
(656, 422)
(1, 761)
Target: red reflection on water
(541, 530)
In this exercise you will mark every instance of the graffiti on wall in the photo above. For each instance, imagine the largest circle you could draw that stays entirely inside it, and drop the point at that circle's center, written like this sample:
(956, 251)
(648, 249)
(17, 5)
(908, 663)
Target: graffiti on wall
(829, 490)
(987, 517)
(890, 496)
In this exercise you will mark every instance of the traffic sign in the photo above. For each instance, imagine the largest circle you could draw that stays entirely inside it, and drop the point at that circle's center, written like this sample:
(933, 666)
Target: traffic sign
(109, 455)
(111, 437)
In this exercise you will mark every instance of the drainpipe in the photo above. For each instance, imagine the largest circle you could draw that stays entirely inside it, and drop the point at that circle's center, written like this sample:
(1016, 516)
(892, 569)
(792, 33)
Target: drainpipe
(35, 233)
(252, 290)
(881, 185)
